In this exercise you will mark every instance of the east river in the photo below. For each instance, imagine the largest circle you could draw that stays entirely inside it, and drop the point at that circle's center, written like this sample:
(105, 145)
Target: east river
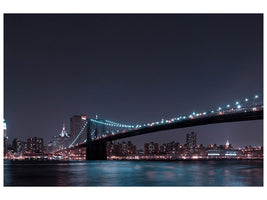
(134, 173)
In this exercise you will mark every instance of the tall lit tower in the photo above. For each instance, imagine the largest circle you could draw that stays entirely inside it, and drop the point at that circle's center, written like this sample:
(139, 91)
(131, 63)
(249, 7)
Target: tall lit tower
(5, 137)
(227, 144)
(63, 132)
(4, 127)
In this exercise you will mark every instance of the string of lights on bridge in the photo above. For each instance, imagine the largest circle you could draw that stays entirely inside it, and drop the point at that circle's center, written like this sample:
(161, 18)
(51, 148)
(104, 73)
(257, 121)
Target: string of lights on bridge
(238, 106)
(82, 129)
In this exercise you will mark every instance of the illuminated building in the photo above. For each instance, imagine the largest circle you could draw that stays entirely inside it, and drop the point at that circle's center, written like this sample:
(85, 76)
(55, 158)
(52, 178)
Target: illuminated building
(151, 148)
(131, 148)
(76, 124)
(63, 140)
(5, 137)
(59, 142)
(18, 146)
(222, 153)
(122, 149)
(173, 148)
(227, 144)
(191, 141)
(63, 132)
(35, 145)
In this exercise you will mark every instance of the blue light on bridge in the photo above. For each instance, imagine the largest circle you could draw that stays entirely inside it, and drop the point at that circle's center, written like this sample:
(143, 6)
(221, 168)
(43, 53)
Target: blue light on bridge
(219, 111)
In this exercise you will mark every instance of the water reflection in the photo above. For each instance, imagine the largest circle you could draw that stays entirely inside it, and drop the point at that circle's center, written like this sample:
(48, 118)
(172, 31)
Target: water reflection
(134, 173)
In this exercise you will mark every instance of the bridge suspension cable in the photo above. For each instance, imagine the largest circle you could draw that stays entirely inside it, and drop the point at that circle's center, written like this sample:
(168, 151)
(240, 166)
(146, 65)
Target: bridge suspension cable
(82, 129)
(235, 107)
(241, 105)
(114, 124)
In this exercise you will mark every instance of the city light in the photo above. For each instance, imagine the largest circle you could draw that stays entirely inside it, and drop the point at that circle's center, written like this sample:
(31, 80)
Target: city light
(123, 128)
(213, 154)
(171, 120)
(4, 125)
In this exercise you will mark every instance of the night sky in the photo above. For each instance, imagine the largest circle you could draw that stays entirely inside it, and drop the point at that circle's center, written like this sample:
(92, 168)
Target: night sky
(131, 69)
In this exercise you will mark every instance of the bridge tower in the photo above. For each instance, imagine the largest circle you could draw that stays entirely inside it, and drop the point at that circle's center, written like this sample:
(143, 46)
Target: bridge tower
(95, 150)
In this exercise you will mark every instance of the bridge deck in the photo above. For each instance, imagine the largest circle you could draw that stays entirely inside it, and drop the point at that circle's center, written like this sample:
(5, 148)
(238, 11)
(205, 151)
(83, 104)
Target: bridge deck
(232, 117)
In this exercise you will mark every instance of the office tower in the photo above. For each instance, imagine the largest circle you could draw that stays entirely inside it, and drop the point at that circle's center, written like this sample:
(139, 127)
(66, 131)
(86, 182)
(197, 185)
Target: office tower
(76, 124)
(63, 132)
(5, 137)
(151, 148)
(35, 145)
(191, 141)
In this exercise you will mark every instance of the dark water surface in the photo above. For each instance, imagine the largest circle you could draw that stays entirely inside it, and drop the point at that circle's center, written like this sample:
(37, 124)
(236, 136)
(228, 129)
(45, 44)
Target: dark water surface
(134, 173)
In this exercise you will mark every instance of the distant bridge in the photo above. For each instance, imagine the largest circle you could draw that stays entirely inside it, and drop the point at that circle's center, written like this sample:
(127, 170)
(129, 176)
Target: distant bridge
(100, 131)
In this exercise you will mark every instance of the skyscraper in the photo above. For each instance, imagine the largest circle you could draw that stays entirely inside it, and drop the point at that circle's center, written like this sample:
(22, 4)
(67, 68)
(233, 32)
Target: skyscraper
(63, 132)
(227, 144)
(5, 137)
(17, 145)
(151, 148)
(76, 124)
(35, 145)
(63, 140)
(60, 141)
(191, 141)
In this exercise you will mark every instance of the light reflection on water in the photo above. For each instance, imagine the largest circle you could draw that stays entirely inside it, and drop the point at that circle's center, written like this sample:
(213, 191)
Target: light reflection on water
(134, 173)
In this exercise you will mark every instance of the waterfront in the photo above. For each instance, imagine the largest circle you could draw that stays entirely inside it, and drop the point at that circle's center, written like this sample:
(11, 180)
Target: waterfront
(134, 173)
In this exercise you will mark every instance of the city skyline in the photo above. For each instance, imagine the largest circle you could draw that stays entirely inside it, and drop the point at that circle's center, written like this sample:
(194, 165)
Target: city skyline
(182, 139)
(130, 68)
(126, 150)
